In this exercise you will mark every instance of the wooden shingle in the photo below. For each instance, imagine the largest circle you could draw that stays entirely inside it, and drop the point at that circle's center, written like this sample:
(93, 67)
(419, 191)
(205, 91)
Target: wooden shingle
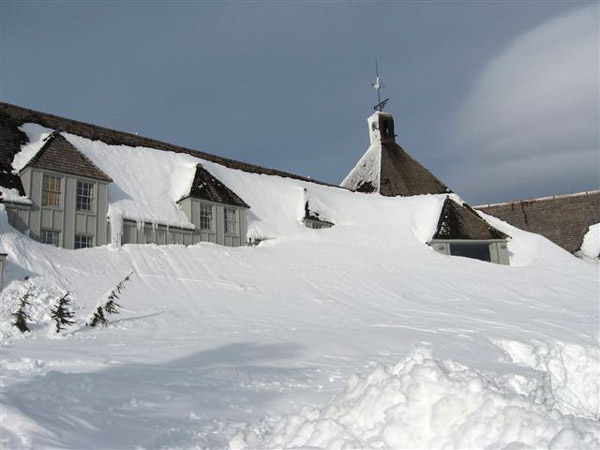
(206, 187)
(563, 219)
(60, 155)
(462, 222)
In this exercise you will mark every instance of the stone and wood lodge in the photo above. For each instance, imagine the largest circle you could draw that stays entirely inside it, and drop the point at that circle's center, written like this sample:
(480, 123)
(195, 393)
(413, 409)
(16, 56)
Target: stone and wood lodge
(60, 197)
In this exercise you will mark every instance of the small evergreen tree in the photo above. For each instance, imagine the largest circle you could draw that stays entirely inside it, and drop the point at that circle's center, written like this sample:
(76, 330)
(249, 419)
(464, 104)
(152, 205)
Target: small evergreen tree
(98, 318)
(111, 306)
(62, 314)
(21, 316)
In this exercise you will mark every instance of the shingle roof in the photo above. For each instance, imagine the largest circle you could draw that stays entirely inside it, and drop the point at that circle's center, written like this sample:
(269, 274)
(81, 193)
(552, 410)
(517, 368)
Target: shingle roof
(563, 219)
(60, 155)
(462, 222)
(206, 187)
(402, 175)
(11, 138)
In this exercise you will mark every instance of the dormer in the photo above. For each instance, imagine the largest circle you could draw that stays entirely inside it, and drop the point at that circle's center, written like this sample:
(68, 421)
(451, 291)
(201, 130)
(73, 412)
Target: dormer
(381, 128)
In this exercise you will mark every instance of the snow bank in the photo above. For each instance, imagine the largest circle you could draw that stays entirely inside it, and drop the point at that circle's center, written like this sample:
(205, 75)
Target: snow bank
(573, 372)
(36, 135)
(424, 402)
(590, 247)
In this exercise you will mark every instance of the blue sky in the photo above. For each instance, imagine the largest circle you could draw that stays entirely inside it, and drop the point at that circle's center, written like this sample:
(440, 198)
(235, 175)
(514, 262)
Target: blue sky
(499, 99)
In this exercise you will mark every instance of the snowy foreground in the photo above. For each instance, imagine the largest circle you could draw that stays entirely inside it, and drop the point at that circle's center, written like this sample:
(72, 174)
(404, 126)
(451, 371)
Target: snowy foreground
(359, 336)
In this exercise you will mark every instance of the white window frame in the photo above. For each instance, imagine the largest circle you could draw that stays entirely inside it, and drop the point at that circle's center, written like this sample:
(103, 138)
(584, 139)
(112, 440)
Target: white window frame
(88, 238)
(86, 199)
(230, 224)
(50, 193)
(44, 237)
(206, 219)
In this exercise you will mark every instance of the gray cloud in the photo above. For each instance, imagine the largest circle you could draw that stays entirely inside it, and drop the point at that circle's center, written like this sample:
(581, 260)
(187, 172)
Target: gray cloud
(530, 123)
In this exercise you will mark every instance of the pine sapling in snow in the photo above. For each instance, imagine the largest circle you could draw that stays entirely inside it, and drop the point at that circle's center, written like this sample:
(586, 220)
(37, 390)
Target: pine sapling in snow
(62, 314)
(98, 318)
(21, 317)
(111, 306)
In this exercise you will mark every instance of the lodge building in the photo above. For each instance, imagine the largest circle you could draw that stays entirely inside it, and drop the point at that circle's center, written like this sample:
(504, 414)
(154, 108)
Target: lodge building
(53, 191)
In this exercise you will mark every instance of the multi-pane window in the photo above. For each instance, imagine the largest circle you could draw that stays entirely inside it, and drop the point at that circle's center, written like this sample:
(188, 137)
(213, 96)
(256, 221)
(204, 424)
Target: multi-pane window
(50, 237)
(205, 216)
(83, 241)
(230, 221)
(51, 191)
(84, 195)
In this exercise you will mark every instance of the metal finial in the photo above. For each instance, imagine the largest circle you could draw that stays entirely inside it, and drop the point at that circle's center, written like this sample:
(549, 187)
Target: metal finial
(378, 85)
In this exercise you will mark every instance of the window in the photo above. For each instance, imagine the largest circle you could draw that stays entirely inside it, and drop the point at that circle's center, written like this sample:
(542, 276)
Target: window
(205, 216)
(471, 250)
(83, 241)
(51, 192)
(50, 237)
(230, 221)
(84, 196)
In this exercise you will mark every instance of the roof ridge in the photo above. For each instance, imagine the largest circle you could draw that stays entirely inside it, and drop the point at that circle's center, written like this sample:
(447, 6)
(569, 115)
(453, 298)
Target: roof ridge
(144, 141)
(530, 200)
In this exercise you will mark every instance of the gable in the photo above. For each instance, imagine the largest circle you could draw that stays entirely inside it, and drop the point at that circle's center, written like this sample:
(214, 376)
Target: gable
(206, 187)
(462, 222)
(60, 155)
(402, 175)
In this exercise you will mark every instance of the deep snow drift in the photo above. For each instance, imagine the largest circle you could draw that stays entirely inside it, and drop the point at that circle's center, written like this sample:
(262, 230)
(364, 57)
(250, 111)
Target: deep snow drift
(354, 336)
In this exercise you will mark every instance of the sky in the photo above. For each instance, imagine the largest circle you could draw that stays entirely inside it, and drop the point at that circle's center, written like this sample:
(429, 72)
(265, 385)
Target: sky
(499, 99)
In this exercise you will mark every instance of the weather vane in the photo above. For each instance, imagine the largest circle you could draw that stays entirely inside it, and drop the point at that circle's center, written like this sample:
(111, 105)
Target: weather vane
(378, 85)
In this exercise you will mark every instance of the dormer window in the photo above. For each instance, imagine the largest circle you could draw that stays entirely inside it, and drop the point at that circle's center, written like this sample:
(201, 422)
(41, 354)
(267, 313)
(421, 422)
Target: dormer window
(52, 190)
(84, 196)
(206, 215)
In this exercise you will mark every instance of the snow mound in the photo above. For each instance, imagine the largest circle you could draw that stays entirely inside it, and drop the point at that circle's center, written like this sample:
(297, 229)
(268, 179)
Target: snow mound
(424, 402)
(590, 246)
(573, 372)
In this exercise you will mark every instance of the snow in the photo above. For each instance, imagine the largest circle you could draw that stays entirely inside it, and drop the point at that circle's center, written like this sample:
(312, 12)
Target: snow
(359, 335)
(367, 169)
(424, 402)
(147, 183)
(13, 195)
(590, 247)
(36, 135)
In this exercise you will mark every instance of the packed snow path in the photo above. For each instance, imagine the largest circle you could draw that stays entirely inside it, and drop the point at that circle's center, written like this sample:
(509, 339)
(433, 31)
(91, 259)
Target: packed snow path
(254, 346)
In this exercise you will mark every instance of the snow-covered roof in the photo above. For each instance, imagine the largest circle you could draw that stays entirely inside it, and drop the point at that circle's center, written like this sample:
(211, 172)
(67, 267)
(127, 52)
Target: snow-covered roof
(386, 168)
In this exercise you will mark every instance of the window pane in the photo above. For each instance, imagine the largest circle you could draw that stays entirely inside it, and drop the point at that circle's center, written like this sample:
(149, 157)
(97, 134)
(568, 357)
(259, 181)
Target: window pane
(50, 237)
(83, 241)
(84, 196)
(51, 191)
(475, 251)
(205, 216)
(230, 221)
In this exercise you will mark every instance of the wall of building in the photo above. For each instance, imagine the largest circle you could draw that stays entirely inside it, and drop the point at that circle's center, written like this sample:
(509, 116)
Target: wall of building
(146, 233)
(65, 218)
(498, 248)
(18, 216)
(191, 208)
(32, 219)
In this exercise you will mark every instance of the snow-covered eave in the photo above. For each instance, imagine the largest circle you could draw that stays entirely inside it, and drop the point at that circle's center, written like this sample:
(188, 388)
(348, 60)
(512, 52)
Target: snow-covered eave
(212, 201)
